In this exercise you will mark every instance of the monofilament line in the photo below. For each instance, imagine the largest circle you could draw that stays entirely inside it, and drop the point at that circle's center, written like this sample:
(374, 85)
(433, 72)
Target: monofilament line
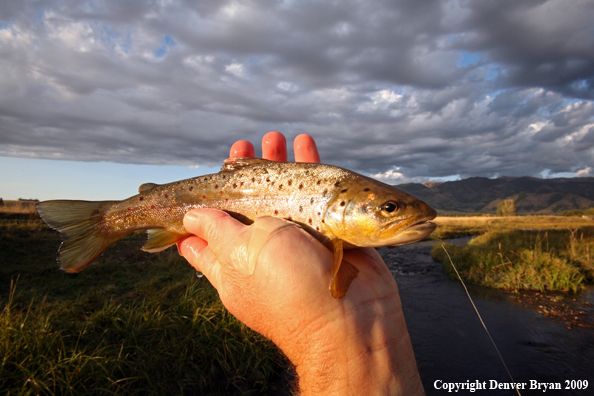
(481, 319)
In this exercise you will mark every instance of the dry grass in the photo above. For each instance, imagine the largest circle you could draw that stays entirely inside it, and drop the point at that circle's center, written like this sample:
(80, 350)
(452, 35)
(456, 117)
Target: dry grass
(451, 227)
(7, 206)
(521, 252)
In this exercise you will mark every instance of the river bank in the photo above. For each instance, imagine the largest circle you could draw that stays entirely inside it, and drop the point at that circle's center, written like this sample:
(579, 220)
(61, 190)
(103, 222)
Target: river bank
(451, 345)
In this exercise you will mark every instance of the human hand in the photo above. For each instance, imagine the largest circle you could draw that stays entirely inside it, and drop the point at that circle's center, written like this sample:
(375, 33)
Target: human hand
(273, 276)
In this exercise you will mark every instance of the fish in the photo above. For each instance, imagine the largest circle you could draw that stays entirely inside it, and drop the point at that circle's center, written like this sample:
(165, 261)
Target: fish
(342, 208)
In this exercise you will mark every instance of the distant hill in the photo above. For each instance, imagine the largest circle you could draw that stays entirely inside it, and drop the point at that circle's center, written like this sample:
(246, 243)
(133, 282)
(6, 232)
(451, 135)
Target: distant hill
(482, 195)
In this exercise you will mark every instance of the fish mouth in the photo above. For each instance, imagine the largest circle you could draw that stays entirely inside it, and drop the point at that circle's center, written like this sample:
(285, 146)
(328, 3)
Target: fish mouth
(415, 232)
(423, 225)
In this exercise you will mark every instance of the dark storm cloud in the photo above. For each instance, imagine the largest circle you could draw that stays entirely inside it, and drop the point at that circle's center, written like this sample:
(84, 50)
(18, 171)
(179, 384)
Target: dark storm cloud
(407, 90)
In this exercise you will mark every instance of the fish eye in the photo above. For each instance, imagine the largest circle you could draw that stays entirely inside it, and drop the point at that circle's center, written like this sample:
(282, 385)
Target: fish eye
(390, 206)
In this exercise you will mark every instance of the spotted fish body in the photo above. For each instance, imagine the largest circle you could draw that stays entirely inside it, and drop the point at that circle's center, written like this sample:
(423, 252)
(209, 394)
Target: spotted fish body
(347, 208)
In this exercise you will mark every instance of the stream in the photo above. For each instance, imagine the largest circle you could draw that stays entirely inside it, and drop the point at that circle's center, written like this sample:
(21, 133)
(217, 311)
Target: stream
(451, 346)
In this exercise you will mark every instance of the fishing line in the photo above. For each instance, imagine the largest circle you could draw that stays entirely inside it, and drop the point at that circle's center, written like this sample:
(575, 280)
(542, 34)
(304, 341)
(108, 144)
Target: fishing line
(481, 319)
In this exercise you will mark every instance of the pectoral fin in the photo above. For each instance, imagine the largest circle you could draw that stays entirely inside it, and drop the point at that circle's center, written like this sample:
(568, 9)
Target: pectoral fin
(343, 272)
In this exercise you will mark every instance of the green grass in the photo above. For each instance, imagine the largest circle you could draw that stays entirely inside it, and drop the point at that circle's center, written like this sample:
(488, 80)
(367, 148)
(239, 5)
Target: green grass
(134, 323)
(554, 260)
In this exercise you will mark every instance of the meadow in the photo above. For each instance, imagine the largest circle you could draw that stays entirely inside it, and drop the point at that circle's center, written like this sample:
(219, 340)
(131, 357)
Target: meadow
(133, 323)
(139, 323)
(544, 253)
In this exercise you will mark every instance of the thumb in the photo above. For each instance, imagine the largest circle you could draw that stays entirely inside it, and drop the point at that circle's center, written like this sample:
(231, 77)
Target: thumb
(216, 227)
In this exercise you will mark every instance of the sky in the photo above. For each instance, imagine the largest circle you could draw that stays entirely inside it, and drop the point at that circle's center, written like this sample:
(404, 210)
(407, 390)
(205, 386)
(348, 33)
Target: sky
(97, 97)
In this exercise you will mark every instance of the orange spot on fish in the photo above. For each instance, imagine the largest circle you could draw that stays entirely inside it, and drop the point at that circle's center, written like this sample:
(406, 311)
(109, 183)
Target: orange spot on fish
(191, 188)
(204, 197)
(152, 206)
(166, 196)
(129, 208)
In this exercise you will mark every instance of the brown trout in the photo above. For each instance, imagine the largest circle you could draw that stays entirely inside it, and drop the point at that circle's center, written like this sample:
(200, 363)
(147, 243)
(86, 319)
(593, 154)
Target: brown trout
(348, 209)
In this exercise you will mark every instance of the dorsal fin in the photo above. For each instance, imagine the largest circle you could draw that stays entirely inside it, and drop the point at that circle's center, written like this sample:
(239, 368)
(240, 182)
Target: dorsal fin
(146, 187)
(233, 164)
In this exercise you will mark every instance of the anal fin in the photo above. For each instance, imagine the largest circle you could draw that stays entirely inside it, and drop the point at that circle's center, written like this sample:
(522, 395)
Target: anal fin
(343, 272)
(160, 239)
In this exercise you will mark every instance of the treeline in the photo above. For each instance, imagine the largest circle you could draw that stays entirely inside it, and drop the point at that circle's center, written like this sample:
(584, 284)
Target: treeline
(579, 213)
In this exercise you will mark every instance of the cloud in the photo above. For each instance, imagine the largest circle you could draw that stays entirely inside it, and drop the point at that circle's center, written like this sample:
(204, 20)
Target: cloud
(403, 90)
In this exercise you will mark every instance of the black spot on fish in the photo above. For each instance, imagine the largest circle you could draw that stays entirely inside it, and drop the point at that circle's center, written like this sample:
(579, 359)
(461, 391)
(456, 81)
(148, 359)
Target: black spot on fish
(268, 179)
(234, 185)
(345, 190)
(300, 208)
(241, 184)
(325, 192)
(310, 221)
(166, 196)
(318, 183)
(272, 184)
(191, 188)
(142, 198)
(342, 203)
(290, 182)
(311, 201)
(319, 214)
(289, 218)
(216, 186)
(224, 176)
(365, 189)
(275, 211)
(301, 186)
(253, 179)
(280, 187)
(317, 228)
(337, 184)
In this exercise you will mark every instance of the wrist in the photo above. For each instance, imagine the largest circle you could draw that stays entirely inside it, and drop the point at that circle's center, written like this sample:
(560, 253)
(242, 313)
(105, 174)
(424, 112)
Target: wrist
(346, 360)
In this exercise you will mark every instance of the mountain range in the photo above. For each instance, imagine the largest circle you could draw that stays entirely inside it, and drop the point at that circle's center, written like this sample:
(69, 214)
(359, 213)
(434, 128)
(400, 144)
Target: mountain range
(482, 195)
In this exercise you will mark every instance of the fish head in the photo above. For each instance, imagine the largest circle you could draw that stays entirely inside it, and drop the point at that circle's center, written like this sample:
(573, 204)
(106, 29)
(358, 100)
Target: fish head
(369, 213)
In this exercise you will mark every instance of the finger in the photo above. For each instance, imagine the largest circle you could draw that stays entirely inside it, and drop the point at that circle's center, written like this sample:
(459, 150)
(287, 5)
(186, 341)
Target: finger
(274, 146)
(242, 148)
(305, 149)
(196, 251)
(250, 241)
(217, 228)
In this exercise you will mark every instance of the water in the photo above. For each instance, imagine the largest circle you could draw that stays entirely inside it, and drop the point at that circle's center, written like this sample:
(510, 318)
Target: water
(451, 345)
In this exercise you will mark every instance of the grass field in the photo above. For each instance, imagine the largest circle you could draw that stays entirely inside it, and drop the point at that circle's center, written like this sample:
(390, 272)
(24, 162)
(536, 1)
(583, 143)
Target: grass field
(139, 323)
(133, 323)
(453, 227)
(521, 253)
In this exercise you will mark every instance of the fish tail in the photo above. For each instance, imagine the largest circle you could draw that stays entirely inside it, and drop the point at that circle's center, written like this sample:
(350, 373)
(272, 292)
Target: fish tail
(82, 229)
